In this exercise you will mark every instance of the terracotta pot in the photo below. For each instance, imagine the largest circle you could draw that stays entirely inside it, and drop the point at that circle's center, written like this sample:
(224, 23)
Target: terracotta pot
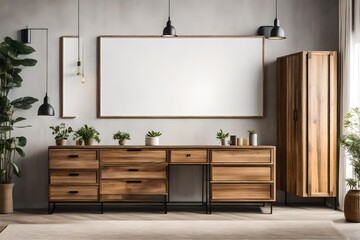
(89, 142)
(122, 142)
(352, 206)
(6, 198)
(60, 142)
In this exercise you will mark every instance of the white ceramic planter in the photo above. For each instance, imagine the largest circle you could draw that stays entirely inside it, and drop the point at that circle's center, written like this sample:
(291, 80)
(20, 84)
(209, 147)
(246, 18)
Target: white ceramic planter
(152, 141)
(253, 139)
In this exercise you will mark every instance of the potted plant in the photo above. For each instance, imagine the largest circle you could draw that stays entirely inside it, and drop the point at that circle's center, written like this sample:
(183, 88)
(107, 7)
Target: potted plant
(88, 134)
(351, 143)
(61, 133)
(252, 138)
(11, 145)
(222, 136)
(121, 137)
(152, 138)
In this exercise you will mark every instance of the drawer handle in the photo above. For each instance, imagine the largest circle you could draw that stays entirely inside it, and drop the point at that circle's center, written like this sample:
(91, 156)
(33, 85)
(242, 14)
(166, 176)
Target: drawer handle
(134, 181)
(134, 150)
(133, 170)
(73, 156)
(188, 155)
(74, 174)
(74, 192)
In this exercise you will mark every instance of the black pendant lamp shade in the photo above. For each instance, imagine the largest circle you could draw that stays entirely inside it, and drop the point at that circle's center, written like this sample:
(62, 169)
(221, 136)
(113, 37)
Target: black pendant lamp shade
(277, 33)
(45, 109)
(169, 30)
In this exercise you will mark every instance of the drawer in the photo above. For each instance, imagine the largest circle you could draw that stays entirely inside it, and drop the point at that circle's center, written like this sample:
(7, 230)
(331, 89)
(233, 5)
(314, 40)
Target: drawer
(131, 198)
(72, 159)
(131, 171)
(188, 156)
(241, 173)
(73, 177)
(73, 193)
(116, 156)
(143, 187)
(242, 156)
(241, 192)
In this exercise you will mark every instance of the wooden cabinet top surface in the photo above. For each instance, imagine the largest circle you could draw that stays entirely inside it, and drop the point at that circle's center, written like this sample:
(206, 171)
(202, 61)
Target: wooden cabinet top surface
(161, 147)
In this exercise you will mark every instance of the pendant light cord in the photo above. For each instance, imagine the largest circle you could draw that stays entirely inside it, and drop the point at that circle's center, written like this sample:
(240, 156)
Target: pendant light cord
(78, 30)
(169, 8)
(276, 10)
(47, 60)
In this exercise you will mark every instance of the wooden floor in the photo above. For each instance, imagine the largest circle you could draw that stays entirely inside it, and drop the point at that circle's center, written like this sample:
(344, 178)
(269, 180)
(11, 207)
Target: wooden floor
(123, 213)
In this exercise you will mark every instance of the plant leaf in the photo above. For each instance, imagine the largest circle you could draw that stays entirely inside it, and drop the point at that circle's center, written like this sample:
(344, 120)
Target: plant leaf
(4, 129)
(20, 151)
(22, 141)
(16, 169)
(24, 102)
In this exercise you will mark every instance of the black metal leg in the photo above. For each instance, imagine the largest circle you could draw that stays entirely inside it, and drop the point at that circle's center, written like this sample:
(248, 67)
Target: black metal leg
(202, 185)
(168, 179)
(324, 201)
(286, 199)
(263, 204)
(51, 210)
(271, 208)
(165, 205)
(207, 188)
(102, 208)
(335, 203)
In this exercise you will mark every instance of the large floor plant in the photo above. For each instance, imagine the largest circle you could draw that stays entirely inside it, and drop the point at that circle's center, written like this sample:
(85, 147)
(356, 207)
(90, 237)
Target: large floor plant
(351, 143)
(11, 64)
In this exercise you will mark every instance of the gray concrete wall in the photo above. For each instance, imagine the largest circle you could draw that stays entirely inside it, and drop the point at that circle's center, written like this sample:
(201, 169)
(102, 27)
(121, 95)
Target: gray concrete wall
(309, 25)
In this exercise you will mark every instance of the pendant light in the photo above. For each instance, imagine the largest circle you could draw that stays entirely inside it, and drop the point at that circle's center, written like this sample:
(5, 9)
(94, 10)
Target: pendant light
(169, 30)
(45, 109)
(277, 33)
(80, 69)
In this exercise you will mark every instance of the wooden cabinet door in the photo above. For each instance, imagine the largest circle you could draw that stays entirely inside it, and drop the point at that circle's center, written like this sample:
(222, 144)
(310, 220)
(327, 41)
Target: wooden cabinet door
(321, 121)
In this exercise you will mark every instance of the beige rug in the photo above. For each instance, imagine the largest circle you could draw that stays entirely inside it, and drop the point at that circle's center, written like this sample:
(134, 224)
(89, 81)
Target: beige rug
(159, 230)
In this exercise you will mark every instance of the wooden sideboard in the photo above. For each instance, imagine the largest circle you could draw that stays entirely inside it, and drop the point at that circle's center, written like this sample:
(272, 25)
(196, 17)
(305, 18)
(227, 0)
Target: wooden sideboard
(102, 174)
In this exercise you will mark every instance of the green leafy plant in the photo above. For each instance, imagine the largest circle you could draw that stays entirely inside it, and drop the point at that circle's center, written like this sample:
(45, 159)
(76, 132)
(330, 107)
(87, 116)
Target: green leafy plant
(85, 133)
(251, 131)
(11, 63)
(61, 131)
(121, 136)
(351, 143)
(153, 134)
(221, 134)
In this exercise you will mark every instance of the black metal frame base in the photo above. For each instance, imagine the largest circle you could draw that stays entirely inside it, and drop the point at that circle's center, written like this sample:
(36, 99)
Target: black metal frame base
(52, 206)
(325, 198)
(263, 204)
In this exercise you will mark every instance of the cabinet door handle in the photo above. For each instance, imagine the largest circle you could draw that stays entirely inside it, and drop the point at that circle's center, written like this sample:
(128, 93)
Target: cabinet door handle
(134, 150)
(73, 192)
(73, 156)
(74, 174)
(188, 155)
(133, 170)
(134, 181)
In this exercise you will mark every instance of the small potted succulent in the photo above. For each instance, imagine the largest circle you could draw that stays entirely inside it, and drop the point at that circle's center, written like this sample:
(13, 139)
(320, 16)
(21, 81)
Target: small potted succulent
(252, 138)
(61, 133)
(88, 134)
(121, 137)
(222, 136)
(152, 138)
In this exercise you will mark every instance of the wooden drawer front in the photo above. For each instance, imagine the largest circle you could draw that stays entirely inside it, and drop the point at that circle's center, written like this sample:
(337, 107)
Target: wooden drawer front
(242, 156)
(73, 177)
(72, 159)
(133, 187)
(131, 198)
(188, 156)
(73, 193)
(241, 192)
(115, 156)
(133, 171)
(72, 154)
(241, 173)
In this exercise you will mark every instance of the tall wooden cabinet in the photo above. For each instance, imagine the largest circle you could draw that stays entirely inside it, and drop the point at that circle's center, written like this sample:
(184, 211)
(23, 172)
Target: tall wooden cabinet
(307, 123)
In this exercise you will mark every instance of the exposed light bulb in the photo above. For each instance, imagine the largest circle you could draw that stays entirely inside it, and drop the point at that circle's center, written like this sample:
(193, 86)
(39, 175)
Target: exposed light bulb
(82, 78)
